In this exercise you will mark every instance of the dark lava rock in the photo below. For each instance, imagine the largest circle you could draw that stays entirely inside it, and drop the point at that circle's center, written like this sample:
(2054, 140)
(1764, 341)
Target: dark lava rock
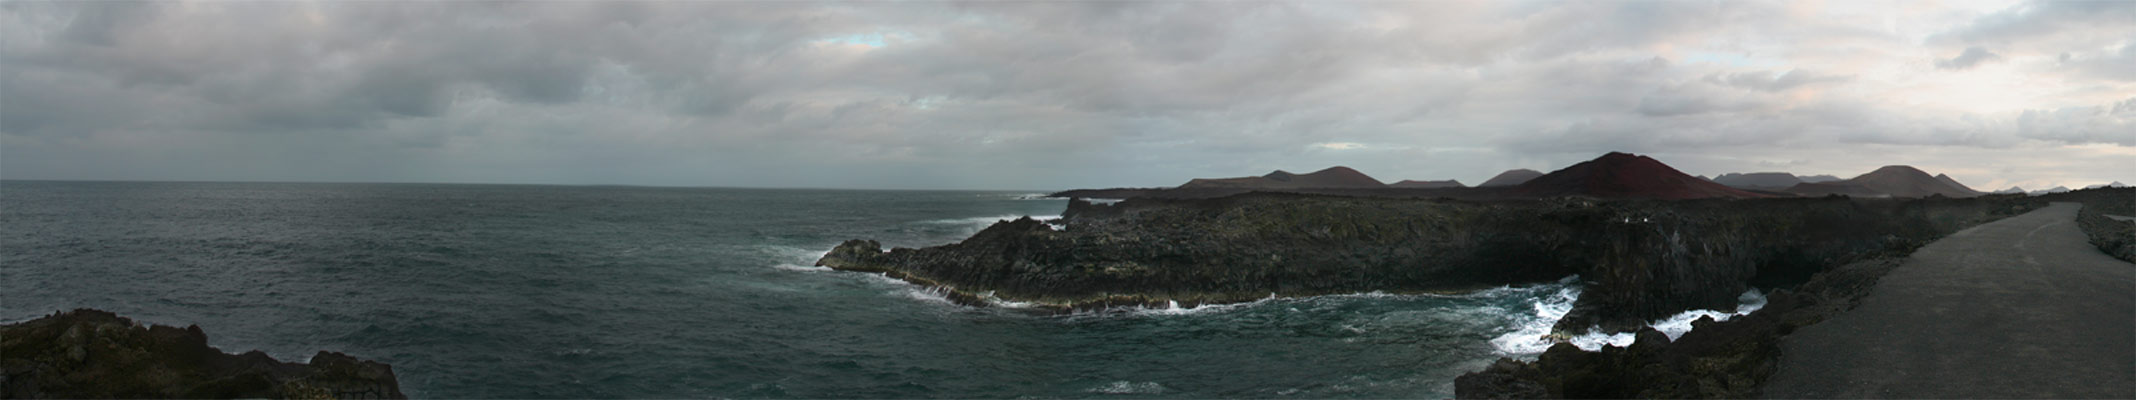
(1717, 359)
(1150, 252)
(96, 354)
(1640, 260)
(2114, 237)
(1626, 175)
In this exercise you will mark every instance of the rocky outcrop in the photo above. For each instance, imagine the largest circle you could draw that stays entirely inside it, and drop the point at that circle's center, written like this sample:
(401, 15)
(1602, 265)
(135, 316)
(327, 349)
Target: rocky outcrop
(1150, 252)
(1726, 359)
(1640, 260)
(96, 354)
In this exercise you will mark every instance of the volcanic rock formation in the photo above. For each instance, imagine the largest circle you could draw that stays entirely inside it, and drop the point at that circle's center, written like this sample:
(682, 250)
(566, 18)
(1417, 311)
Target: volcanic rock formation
(1333, 177)
(1640, 260)
(96, 354)
(1625, 175)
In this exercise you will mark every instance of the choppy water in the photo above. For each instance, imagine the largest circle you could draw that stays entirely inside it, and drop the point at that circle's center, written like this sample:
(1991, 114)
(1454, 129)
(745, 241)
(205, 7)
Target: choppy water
(556, 291)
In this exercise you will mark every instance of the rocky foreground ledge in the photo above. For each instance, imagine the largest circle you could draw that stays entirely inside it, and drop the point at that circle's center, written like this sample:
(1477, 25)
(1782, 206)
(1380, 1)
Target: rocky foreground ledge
(89, 353)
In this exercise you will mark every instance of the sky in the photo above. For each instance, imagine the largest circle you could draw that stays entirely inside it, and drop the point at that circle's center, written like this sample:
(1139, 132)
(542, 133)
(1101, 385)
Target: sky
(1057, 94)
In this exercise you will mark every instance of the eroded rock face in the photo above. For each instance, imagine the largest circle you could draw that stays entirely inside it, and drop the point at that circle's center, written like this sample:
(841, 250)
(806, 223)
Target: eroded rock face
(89, 353)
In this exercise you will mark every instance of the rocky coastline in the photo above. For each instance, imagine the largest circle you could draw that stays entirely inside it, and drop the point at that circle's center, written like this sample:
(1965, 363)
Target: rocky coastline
(89, 353)
(1732, 359)
(1640, 259)
(1717, 360)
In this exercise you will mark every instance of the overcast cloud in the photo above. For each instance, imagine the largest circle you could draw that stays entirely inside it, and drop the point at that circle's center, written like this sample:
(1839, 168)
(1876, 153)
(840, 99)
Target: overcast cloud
(1055, 95)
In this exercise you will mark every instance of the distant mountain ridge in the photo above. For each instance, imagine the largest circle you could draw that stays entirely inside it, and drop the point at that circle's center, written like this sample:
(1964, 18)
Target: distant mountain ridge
(1889, 181)
(1511, 177)
(1332, 177)
(1613, 175)
(2052, 190)
(1413, 184)
(1758, 180)
(1626, 175)
(1818, 178)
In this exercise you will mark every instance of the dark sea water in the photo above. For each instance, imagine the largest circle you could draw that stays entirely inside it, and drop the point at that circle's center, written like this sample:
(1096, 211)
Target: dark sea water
(474, 291)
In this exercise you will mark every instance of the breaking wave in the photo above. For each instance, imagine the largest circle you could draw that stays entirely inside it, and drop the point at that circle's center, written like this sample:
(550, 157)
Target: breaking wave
(1531, 335)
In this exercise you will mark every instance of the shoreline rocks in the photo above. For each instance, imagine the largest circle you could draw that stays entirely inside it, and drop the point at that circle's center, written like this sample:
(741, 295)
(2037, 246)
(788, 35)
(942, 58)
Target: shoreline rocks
(1640, 259)
(89, 353)
(1725, 359)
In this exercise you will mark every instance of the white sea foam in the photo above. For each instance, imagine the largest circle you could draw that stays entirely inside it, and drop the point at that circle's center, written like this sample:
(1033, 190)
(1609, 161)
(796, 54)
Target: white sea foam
(796, 258)
(1126, 387)
(985, 221)
(1035, 196)
(1102, 201)
(802, 268)
(927, 294)
(1531, 335)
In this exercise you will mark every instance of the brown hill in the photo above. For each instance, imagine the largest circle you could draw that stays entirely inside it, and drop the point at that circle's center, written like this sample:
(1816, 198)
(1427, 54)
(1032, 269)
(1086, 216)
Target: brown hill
(1891, 180)
(1333, 177)
(1511, 178)
(1624, 175)
(1427, 184)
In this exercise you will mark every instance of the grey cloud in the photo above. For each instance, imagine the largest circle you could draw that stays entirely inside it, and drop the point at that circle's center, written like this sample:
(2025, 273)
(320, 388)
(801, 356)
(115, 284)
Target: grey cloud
(2111, 124)
(2037, 18)
(957, 95)
(1698, 99)
(1769, 82)
(97, 23)
(2119, 64)
(1972, 56)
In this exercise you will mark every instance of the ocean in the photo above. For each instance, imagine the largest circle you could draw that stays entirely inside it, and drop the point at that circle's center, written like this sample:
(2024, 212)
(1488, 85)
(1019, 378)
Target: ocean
(527, 291)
